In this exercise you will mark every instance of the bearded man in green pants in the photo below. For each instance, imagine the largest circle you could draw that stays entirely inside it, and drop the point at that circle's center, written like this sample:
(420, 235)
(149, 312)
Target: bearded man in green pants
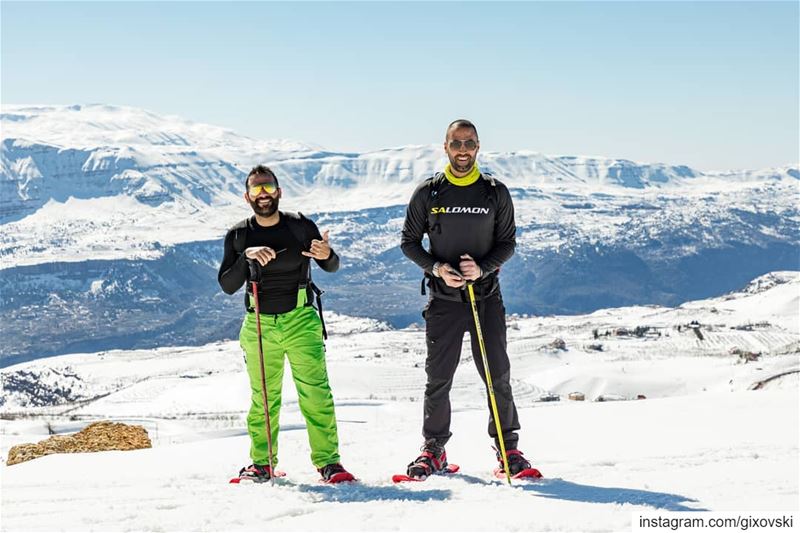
(279, 246)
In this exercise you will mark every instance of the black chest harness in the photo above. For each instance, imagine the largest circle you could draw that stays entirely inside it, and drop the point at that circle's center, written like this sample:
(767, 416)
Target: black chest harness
(433, 206)
(296, 223)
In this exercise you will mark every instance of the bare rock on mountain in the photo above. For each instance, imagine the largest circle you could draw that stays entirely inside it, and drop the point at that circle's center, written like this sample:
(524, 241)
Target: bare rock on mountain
(96, 437)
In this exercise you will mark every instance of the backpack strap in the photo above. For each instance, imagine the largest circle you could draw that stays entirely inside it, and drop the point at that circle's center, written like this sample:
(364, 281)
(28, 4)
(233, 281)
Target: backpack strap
(435, 184)
(240, 235)
(431, 201)
(239, 244)
(491, 185)
(318, 295)
(298, 226)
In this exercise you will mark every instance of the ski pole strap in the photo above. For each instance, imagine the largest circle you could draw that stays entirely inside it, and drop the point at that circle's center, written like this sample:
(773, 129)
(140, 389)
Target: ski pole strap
(253, 275)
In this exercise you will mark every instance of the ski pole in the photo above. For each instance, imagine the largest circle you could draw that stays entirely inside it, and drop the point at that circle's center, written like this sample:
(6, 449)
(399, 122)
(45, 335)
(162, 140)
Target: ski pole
(489, 386)
(253, 271)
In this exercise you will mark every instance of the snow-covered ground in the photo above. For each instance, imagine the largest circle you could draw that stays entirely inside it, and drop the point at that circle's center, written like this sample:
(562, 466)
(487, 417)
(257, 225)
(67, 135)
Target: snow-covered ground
(705, 438)
(602, 461)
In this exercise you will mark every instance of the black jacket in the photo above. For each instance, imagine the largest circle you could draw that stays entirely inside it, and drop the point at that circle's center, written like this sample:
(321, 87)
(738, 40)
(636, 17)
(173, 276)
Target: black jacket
(476, 219)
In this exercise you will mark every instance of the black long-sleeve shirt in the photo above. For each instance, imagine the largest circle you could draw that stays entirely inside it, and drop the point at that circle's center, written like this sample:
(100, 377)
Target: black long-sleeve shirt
(471, 219)
(281, 277)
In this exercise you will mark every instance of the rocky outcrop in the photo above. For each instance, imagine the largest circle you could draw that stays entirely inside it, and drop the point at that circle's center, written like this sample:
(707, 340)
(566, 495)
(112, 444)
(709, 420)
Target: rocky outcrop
(96, 437)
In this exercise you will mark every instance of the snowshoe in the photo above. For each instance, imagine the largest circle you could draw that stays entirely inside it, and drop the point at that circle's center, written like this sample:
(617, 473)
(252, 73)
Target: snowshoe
(518, 466)
(256, 474)
(432, 460)
(335, 473)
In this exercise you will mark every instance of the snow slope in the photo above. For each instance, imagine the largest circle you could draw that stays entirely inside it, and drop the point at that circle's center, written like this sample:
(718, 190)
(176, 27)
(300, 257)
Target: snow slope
(705, 438)
(603, 463)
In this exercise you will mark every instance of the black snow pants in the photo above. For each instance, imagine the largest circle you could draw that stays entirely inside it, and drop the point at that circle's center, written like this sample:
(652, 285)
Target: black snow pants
(445, 324)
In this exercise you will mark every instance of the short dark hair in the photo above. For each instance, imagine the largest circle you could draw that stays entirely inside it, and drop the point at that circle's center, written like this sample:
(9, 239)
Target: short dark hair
(261, 170)
(460, 123)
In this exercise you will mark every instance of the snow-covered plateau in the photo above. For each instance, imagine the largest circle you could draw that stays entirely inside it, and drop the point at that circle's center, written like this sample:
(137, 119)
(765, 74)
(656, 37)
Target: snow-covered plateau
(686, 408)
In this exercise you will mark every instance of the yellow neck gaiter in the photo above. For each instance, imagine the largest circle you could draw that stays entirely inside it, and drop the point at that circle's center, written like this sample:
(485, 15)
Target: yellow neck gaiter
(469, 179)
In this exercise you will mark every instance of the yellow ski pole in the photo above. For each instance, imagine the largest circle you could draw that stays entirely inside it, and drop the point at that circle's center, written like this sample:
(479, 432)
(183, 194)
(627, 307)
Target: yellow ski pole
(489, 386)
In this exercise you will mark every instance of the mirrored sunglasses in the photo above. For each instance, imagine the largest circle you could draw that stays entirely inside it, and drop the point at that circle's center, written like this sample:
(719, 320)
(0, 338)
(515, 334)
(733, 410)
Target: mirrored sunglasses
(469, 144)
(268, 188)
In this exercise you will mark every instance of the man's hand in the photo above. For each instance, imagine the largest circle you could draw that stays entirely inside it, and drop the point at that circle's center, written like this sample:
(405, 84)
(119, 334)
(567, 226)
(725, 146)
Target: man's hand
(262, 254)
(469, 268)
(320, 249)
(450, 276)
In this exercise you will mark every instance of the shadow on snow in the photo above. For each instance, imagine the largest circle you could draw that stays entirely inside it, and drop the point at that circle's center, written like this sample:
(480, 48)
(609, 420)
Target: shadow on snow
(357, 492)
(567, 490)
(552, 488)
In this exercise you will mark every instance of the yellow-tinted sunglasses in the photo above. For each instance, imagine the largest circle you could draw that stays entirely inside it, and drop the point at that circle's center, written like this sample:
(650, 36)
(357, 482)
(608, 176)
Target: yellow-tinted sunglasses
(268, 188)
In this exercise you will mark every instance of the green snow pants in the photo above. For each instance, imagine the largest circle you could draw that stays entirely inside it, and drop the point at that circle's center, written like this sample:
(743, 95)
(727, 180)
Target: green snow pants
(297, 335)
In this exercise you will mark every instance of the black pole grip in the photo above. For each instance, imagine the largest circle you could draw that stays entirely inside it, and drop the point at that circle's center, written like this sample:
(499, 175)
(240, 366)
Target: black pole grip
(254, 270)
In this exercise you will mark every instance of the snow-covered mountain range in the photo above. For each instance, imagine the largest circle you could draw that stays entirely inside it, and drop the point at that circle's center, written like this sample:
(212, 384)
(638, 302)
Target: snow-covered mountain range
(112, 219)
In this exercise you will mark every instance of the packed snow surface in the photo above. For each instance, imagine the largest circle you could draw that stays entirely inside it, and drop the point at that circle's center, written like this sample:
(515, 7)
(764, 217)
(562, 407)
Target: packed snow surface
(713, 432)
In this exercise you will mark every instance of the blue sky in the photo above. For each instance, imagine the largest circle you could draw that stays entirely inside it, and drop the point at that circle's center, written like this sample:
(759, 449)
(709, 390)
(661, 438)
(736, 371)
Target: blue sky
(713, 85)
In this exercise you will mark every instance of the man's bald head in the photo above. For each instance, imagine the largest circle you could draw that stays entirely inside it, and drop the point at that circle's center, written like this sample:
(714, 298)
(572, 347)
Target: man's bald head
(458, 124)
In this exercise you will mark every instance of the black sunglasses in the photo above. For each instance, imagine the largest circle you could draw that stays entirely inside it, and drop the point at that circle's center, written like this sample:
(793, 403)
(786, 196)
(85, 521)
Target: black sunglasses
(469, 144)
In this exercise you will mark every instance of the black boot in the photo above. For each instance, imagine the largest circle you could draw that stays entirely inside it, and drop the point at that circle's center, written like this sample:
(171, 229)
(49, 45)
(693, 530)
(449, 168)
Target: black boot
(432, 460)
(334, 473)
(257, 473)
(516, 462)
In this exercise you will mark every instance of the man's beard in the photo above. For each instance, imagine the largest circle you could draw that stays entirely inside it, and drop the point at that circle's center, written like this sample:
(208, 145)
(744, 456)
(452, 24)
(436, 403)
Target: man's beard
(458, 167)
(268, 210)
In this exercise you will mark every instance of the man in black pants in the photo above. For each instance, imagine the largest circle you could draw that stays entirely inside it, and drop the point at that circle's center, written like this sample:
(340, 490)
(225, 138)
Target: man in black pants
(469, 219)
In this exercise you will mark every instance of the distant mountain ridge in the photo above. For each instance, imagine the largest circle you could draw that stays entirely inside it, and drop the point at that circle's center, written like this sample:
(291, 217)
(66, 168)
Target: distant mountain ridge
(53, 152)
(111, 221)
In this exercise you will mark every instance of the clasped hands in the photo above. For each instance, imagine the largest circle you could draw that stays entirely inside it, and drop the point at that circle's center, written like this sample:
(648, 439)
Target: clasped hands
(468, 270)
